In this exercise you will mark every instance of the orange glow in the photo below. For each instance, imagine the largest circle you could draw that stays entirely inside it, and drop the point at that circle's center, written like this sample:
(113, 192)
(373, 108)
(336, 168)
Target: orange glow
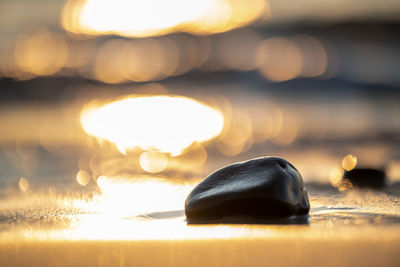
(156, 17)
(166, 124)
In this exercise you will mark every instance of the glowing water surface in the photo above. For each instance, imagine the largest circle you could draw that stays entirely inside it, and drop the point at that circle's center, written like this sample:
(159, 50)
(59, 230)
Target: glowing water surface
(155, 17)
(167, 124)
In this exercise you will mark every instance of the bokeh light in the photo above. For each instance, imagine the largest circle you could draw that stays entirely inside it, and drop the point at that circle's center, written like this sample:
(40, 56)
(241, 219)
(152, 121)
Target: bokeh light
(150, 59)
(314, 55)
(336, 176)
(40, 52)
(153, 162)
(111, 62)
(23, 184)
(237, 50)
(267, 118)
(237, 136)
(289, 130)
(279, 59)
(349, 162)
(83, 177)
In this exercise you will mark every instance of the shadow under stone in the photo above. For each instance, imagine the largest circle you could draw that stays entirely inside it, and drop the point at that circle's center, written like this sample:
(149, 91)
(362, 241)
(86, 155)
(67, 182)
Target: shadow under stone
(291, 220)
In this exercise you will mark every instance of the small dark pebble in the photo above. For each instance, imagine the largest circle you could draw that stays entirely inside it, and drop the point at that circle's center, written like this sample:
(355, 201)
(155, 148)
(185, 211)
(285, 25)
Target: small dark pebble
(365, 177)
(261, 188)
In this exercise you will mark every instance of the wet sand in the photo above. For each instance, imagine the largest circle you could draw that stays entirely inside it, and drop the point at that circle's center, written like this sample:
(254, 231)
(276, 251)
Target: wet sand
(357, 228)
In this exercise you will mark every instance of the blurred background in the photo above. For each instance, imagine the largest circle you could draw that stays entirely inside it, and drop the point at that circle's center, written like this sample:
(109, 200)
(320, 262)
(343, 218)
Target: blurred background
(315, 82)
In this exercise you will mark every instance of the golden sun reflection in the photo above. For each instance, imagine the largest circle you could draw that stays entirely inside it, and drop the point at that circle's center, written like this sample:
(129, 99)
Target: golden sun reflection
(88, 228)
(156, 17)
(123, 197)
(166, 124)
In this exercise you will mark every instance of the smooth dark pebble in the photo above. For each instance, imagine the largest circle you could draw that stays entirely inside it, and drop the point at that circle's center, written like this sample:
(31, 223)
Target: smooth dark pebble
(267, 187)
(365, 177)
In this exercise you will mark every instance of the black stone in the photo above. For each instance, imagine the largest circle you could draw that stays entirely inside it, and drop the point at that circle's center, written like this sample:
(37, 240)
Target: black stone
(267, 187)
(365, 177)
